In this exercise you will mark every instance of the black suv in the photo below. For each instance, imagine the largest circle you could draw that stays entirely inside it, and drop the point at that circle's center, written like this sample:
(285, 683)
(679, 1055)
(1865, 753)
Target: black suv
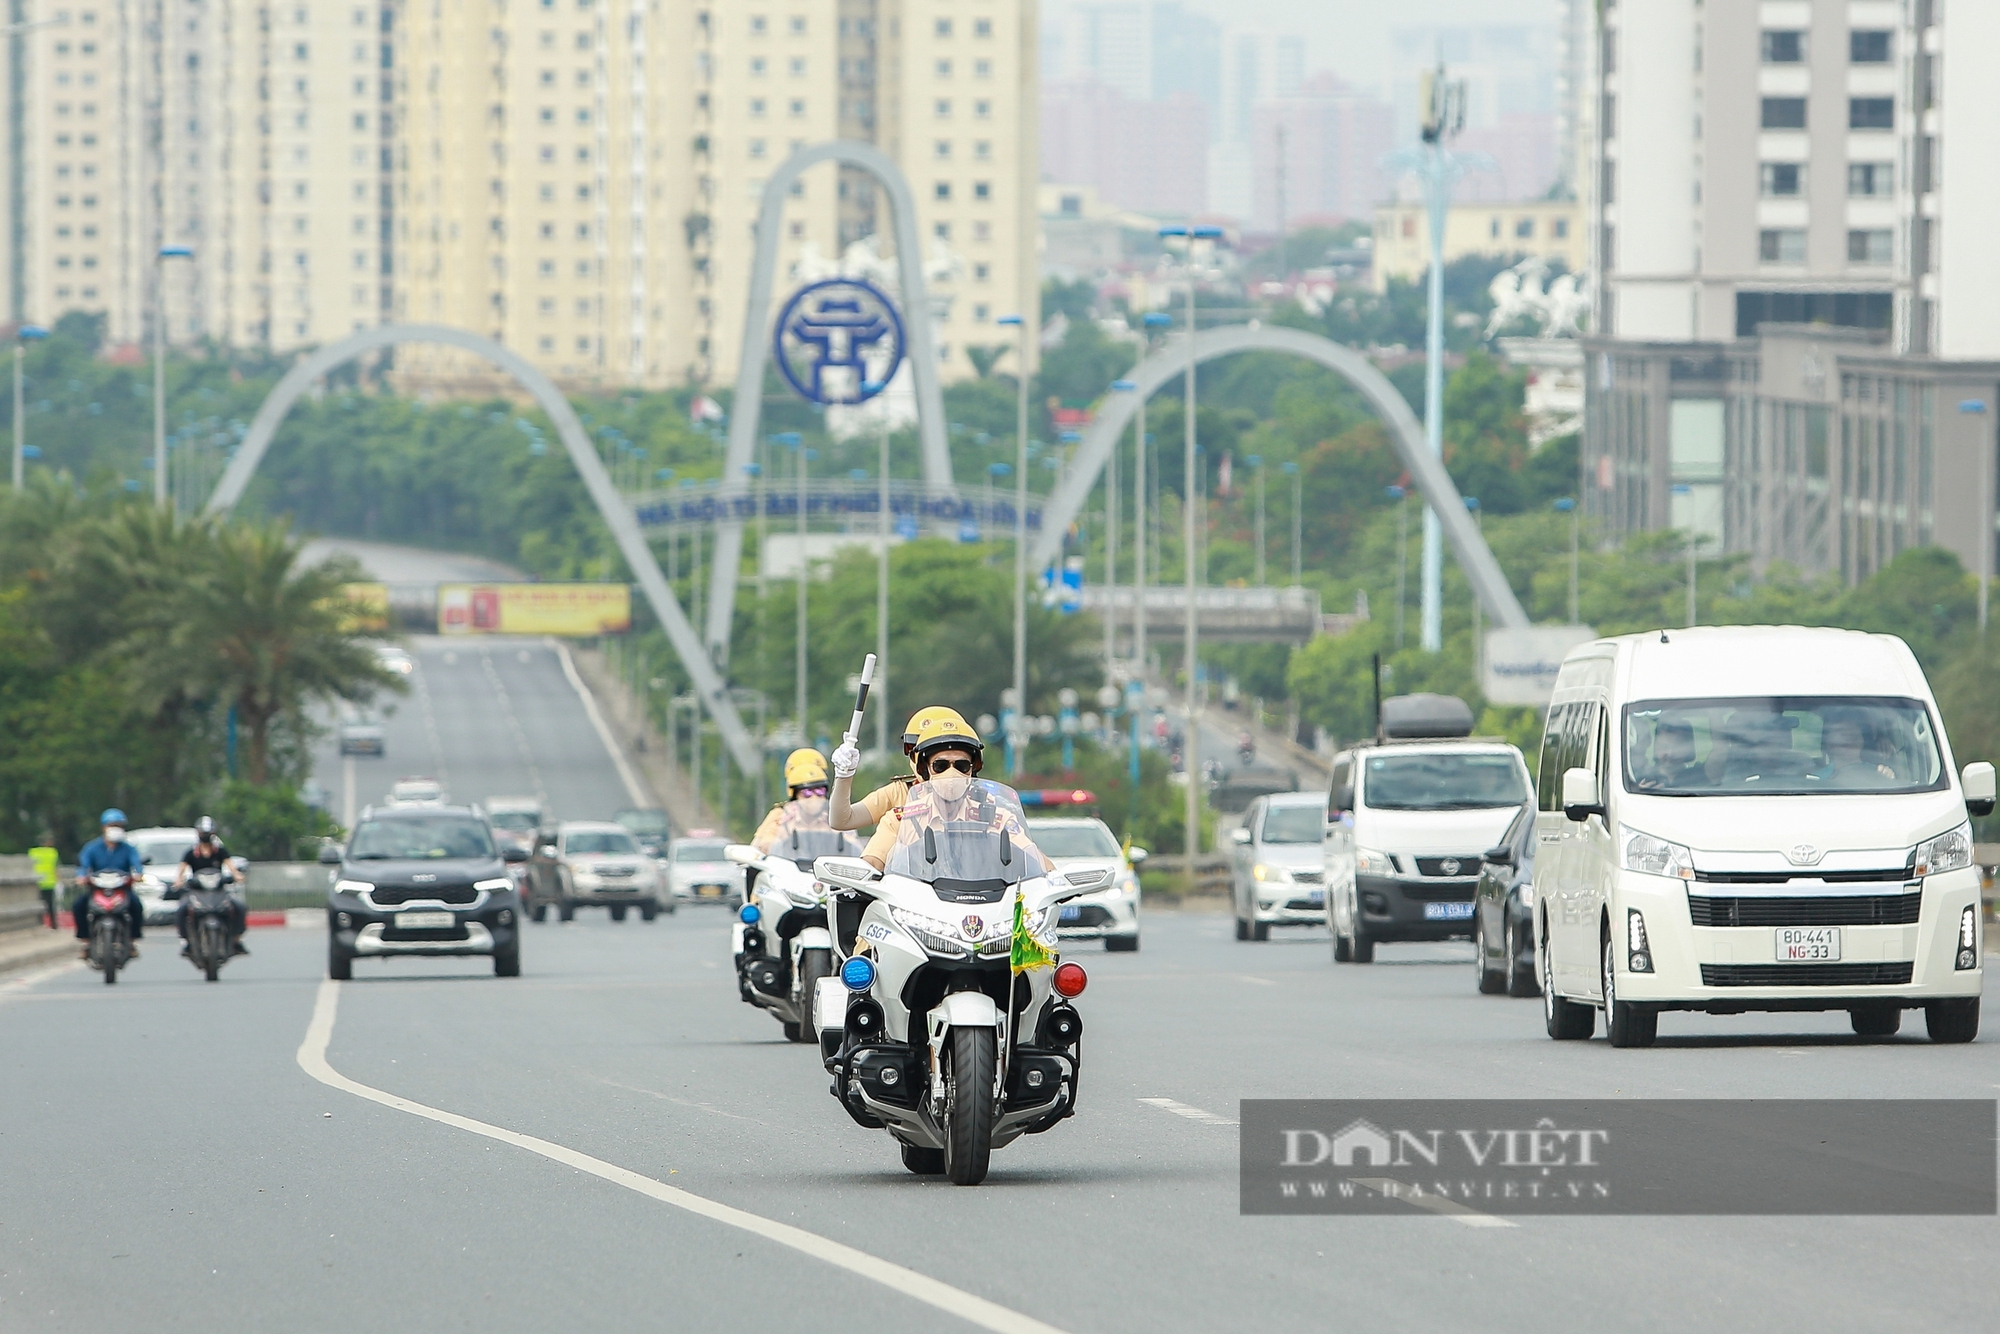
(422, 880)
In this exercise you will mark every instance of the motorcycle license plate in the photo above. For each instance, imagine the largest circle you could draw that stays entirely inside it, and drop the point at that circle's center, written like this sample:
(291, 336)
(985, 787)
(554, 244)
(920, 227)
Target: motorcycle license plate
(708, 891)
(1070, 913)
(1447, 912)
(425, 921)
(1318, 896)
(1808, 944)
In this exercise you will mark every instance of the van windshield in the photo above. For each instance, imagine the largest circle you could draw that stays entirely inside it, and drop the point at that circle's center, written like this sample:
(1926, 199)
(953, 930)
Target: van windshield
(1443, 781)
(1781, 746)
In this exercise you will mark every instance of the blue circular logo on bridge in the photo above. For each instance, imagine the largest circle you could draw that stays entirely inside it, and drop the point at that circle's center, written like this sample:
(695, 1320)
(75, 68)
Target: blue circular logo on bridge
(839, 341)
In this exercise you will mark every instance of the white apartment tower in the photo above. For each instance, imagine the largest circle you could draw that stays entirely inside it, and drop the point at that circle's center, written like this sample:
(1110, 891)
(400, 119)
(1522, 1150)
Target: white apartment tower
(1796, 161)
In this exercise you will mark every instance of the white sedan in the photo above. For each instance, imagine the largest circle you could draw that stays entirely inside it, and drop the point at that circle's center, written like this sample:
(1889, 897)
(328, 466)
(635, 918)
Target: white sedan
(1111, 915)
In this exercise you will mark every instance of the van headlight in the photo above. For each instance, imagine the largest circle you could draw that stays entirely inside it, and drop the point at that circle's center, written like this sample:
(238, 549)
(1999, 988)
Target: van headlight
(1367, 861)
(1527, 892)
(1949, 851)
(1655, 856)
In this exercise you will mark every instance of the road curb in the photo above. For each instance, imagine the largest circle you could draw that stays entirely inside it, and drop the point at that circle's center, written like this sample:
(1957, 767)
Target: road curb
(31, 949)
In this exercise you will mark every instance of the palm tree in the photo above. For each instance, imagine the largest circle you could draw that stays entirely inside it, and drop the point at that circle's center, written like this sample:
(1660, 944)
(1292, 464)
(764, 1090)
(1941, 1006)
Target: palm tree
(243, 624)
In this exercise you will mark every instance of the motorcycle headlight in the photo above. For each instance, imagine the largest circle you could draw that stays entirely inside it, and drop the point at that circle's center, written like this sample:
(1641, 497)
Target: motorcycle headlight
(937, 937)
(1949, 851)
(1367, 861)
(1655, 856)
(353, 887)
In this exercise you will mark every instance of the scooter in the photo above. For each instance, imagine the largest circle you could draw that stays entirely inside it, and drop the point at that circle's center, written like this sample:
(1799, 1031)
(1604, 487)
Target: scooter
(208, 913)
(949, 1023)
(781, 941)
(110, 928)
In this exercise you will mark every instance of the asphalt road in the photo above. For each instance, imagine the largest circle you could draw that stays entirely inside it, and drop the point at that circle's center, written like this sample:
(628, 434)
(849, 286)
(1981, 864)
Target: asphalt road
(487, 717)
(165, 1160)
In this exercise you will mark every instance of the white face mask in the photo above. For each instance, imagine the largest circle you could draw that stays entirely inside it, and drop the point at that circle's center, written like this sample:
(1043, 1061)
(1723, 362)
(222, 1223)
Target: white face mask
(951, 785)
(113, 834)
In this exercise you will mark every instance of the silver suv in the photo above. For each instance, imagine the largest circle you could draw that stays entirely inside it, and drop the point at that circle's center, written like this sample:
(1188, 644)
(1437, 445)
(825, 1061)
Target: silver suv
(1277, 861)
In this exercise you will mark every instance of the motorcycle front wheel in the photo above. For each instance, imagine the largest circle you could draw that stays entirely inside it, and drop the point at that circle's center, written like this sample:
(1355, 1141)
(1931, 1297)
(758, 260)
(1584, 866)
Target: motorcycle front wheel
(813, 965)
(969, 1109)
(212, 950)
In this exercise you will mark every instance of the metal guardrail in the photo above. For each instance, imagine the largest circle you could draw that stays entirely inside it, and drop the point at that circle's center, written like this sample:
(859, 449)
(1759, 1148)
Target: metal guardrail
(1211, 873)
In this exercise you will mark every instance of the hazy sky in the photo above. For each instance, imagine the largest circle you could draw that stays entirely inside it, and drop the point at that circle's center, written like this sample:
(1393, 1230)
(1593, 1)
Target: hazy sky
(1351, 37)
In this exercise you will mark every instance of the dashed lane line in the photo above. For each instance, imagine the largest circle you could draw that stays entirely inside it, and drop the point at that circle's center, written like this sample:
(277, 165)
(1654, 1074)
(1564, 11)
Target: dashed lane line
(1191, 1113)
(972, 1309)
(1437, 1204)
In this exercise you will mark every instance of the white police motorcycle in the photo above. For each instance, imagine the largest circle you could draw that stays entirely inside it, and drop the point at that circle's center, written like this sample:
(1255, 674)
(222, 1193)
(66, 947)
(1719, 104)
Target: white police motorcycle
(781, 941)
(949, 1023)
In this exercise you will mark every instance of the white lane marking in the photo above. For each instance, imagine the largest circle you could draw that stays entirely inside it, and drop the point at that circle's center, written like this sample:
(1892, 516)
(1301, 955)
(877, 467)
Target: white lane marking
(514, 723)
(1191, 1113)
(439, 771)
(625, 774)
(1260, 981)
(1437, 1204)
(972, 1309)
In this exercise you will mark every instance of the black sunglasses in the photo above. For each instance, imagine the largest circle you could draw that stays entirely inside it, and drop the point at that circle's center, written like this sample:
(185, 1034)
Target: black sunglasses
(811, 789)
(939, 766)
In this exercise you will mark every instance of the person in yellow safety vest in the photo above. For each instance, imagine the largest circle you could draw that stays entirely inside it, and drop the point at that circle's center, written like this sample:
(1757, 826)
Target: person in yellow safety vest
(847, 763)
(948, 755)
(805, 778)
(44, 860)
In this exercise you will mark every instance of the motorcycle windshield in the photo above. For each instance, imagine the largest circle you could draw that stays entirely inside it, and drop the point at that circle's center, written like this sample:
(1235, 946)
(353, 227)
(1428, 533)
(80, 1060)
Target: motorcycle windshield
(804, 833)
(976, 844)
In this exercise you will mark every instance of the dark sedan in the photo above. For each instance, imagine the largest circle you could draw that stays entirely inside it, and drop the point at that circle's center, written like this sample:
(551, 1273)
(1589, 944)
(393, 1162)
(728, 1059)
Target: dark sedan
(1503, 912)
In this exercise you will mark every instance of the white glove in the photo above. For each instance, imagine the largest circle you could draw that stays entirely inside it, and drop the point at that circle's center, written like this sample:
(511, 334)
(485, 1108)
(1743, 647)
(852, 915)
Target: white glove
(846, 757)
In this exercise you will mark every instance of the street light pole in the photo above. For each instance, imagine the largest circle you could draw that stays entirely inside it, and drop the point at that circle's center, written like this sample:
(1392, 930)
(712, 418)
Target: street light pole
(1256, 462)
(1567, 505)
(1478, 612)
(22, 335)
(881, 684)
(1682, 489)
(1401, 497)
(1298, 529)
(167, 252)
(1015, 752)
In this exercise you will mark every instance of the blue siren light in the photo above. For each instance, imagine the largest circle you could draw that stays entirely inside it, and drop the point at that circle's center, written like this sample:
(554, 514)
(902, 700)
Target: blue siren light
(858, 973)
(751, 914)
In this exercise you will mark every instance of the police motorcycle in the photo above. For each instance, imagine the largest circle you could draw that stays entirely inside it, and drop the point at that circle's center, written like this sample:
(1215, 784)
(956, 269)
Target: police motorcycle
(208, 913)
(781, 942)
(110, 947)
(949, 1022)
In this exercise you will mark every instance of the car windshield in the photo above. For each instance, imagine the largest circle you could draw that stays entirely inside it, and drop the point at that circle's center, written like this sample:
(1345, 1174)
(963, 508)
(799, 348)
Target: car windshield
(600, 840)
(1781, 746)
(1443, 781)
(1295, 824)
(1074, 840)
(519, 822)
(699, 852)
(162, 851)
(644, 822)
(982, 836)
(436, 838)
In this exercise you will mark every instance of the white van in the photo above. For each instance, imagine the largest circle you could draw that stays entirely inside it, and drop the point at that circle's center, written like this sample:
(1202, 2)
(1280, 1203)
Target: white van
(1754, 818)
(1408, 819)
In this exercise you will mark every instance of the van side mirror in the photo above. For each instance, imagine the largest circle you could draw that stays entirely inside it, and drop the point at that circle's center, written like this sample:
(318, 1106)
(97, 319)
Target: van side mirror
(1500, 856)
(1580, 796)
(1979, 788)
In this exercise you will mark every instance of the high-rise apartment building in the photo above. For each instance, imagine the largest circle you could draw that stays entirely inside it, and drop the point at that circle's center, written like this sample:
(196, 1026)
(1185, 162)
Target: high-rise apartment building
(578, 179)
(1798, 346)
(1795, 161)
(254, 135)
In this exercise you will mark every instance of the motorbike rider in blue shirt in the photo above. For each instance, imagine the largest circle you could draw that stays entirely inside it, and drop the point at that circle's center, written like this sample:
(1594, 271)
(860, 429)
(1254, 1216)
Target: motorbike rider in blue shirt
(109, 852)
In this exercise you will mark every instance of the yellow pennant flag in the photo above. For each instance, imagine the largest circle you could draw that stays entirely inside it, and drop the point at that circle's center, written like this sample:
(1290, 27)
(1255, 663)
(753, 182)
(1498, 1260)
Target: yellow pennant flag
(1029, 953)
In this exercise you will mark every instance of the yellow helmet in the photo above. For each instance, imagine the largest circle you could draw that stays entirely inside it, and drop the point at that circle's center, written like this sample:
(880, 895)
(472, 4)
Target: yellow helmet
(803, 767)
(936, 728)
(934, 721)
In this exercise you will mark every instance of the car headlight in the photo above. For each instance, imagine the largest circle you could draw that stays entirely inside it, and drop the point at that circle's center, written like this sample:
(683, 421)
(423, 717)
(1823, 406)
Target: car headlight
(1949, 851)
(935, 936)
(1277, 875)
(493, 886)
(1655, 856)
(1527, 892)
(1129, 883)
(1367, 861)
(353, 887)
